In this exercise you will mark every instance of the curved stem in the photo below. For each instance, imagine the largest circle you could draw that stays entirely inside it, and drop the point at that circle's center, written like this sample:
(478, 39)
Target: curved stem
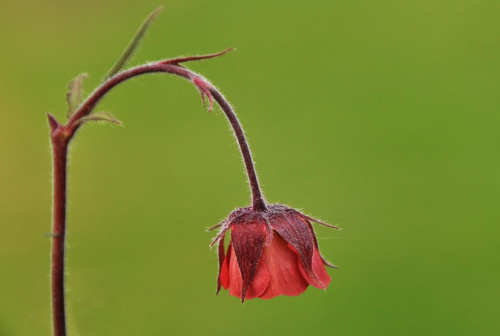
(61, 136)
(258, 202)
(205, 87)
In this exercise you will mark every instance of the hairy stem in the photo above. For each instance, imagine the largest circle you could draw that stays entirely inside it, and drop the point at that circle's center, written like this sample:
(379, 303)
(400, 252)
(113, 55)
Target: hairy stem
(61, 136)
(59, 151)
(258, 202)
(87, 107)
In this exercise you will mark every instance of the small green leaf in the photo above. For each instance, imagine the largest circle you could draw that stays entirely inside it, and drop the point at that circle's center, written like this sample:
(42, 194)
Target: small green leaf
(132, 46)
(99, 117)
(74, 94)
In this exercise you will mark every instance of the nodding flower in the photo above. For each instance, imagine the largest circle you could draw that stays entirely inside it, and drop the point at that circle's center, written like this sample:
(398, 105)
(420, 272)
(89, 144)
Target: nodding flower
(272, 252)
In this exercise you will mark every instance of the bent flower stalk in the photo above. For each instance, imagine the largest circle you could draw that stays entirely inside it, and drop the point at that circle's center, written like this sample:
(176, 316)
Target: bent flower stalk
(273, 249)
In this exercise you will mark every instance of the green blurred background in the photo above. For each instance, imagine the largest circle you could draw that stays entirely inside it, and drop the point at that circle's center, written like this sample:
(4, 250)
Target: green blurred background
(377, 116)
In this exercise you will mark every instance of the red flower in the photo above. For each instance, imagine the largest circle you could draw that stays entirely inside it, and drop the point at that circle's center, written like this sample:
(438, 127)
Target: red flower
(271, 253)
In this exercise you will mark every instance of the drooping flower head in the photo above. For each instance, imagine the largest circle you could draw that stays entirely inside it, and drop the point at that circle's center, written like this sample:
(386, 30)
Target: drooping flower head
(271, 252)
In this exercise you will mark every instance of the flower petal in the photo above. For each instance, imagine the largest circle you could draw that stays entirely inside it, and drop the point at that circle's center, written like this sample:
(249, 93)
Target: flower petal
(220, 249)
(230, 277)
(257, 287)
(247, 238)
(260, 283)
(295, 231)
(282, 264)
(319, 272)
(224, 270)
(326, 262)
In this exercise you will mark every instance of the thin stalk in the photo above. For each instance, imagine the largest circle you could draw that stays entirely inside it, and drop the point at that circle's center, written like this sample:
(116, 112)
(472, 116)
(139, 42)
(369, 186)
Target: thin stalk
(258, 202)
(59, 151)
(87, 107)
(61, 136)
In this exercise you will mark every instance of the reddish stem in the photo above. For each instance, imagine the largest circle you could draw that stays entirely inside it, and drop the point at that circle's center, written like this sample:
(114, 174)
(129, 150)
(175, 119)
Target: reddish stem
(258, 201)
(60, 141)
(61, 136)
(163, 66)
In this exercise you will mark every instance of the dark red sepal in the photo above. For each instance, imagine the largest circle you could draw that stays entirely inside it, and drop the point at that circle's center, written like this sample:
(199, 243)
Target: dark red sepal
(248, 237)
(295, 231)
(326, 262)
